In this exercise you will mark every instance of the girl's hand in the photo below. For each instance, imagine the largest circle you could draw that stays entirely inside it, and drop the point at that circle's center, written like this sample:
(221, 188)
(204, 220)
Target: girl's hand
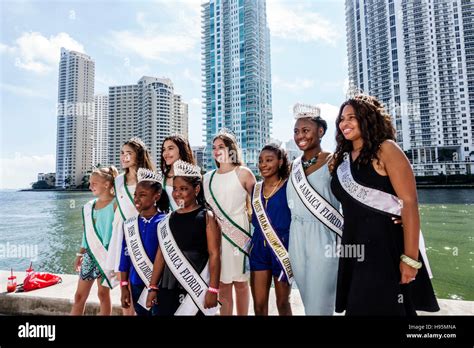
(151, 299)
(408, 273)
(125, 298)
(210, 300)
(78, 263)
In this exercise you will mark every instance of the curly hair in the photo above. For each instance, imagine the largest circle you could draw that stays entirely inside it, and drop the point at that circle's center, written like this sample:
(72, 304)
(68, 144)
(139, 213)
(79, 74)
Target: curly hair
(375, 126)
(185, 152)
(284, 170)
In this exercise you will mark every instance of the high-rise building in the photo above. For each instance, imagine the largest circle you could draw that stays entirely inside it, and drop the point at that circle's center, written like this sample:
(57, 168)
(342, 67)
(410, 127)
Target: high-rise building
(75, 118)
(236, 72)
(417, 56)
(198, 154)
(122, 125)
(179, 122)
(100, 153)
(149, 110)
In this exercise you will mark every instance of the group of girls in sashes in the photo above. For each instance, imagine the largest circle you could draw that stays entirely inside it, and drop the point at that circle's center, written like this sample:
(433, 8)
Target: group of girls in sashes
(344, 227)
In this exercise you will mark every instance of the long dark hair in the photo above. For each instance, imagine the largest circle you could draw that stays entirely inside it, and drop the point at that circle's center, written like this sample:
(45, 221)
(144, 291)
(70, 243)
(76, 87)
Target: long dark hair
(185, 152)
(284, 170)
(163, 204)
(375, 126)
(143, 156)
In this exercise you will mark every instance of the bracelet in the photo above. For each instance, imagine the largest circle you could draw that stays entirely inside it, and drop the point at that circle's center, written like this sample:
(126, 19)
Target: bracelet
(410, 262)
(123, 283)
(155, 289)
(80, 254)
(213, 290)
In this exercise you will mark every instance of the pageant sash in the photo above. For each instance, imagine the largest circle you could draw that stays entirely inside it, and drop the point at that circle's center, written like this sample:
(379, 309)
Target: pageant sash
(195, 284)
(314, 202)
(124, 198)
(270, 235)
(378, 200)
(173, 205)
(142, 263)
(231, 231)
(95, 245)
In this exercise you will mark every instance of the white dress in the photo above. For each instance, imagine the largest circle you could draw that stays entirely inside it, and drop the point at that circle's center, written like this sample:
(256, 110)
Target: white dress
(115, 246)
(169, 192)
(232, 198)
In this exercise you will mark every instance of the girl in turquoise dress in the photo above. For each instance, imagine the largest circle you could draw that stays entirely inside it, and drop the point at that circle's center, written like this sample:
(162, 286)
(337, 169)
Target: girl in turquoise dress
(314, 266)
(101, 184)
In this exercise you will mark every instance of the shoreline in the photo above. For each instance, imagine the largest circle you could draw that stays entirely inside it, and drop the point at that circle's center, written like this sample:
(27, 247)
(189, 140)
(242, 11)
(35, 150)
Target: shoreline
(418, 187)
(58, 300)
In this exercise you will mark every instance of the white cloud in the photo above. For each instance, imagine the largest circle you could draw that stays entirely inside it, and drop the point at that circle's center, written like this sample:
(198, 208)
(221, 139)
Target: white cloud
(23, 91)
(293, 21)
(159, 41)
(195, 101)
(22, 170)
(297, 85)
(37, 53)
(190, 76)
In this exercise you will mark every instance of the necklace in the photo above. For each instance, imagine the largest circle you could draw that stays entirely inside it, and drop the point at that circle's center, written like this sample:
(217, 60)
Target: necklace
(271, 193)
(147, 221)
(309, 163)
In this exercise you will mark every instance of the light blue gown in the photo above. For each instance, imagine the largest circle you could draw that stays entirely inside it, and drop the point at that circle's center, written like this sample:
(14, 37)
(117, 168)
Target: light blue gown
(315, 271)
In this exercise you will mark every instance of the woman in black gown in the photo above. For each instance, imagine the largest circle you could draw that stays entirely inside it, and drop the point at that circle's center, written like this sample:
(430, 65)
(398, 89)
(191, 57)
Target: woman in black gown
(378, 282)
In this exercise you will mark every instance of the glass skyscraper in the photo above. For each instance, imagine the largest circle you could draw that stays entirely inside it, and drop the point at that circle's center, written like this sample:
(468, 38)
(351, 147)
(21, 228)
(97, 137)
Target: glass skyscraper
(417, 56)
(236, 75)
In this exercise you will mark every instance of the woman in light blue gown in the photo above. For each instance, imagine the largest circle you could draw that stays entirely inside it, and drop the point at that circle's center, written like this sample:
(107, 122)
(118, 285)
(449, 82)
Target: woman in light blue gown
(312, 244)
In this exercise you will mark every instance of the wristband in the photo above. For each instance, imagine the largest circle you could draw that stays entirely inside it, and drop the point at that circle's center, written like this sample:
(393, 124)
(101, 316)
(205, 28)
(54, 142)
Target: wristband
(213, 290)
(152, 288)
(123, 283)
(410, 262)
(80, 254)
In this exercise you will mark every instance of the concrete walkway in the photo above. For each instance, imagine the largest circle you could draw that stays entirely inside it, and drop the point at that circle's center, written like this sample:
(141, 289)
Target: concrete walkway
(58, 299)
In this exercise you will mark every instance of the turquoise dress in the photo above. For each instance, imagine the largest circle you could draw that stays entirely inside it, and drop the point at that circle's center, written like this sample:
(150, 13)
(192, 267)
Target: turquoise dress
(310, 248)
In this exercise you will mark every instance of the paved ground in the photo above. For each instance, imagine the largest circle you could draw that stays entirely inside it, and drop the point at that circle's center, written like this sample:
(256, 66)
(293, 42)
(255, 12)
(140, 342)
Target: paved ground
(58, 299)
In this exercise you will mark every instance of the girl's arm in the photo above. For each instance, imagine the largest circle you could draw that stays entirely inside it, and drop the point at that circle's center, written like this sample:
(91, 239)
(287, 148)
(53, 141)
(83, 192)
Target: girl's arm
(158, 266)
(125, 292)
(78, 259)
(401, 176)
(247, 179)
(213, 234)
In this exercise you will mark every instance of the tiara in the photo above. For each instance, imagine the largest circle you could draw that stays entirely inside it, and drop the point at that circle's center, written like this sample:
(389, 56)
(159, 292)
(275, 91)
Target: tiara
(144, 174)
(227, 132)
(138, 141)
(305, 110)
(182, 168)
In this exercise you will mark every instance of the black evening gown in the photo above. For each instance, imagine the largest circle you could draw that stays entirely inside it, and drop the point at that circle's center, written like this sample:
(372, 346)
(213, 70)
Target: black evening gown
(372, 286)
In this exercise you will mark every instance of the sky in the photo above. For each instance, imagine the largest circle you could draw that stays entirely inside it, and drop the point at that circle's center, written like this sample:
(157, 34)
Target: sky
(161, 38)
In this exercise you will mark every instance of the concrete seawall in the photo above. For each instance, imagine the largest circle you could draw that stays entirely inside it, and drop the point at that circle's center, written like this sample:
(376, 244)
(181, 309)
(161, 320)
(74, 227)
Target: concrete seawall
(58, 300)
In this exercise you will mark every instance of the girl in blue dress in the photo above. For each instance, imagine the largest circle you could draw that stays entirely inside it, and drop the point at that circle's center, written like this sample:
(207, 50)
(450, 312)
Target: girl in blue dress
(264, 262)
(152, 202)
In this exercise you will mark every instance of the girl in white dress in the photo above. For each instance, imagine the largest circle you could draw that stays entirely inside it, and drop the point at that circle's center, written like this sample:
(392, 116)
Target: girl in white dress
(174, 147)
(227, 190)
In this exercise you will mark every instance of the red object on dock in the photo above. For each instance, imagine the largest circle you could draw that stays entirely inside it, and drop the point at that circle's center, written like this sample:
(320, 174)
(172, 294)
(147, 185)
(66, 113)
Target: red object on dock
(11, 285)
(39, 280)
